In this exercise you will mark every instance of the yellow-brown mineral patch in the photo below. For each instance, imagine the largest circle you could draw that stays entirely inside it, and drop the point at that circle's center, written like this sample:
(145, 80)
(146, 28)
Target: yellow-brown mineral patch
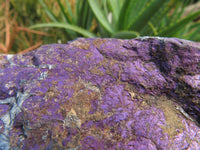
(173, 122)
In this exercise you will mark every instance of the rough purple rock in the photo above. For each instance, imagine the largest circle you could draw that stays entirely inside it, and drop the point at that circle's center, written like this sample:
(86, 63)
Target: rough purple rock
(140, 94)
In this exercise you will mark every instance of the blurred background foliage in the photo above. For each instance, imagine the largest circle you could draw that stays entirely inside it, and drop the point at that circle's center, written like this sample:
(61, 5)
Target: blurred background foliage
(27, 24)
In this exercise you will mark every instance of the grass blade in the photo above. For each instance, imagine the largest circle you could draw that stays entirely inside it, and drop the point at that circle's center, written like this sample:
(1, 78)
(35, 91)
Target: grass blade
(124, 12)
(153, 28)
(83, 15)
(105, 7)
(159, 20)
(194, 30)
(69, 10)
(48, 12)
(179, 10)
(77, 29)
(135, 9)
(194, 34)
(66, 17)
(180, 24)
(126, 35)
(78, 5)
(115, 8)
(147, 13)
(94, 5)
(90, 18)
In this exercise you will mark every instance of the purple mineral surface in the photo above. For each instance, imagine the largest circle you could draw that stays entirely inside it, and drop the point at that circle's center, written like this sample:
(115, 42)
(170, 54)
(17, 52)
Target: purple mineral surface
(138, 94)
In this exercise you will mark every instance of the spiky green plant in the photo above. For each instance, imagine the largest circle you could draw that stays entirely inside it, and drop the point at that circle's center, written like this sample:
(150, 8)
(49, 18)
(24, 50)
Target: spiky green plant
(123, 18)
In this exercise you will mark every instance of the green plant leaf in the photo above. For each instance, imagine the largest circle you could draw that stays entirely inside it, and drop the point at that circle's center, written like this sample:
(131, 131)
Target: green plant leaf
(126, 35)
(94, 5)
(159, 20)
(115, 8)
(125, 12)
(66, 17)
(193, 33)
(105, 7)
(66, 26)
(78, 4)
(153, 28)
(90, 18)
(146, 14)
(48, 12)
(83, 14)
(169, 31)
(135, 9)
(179, 10)
(69, 10)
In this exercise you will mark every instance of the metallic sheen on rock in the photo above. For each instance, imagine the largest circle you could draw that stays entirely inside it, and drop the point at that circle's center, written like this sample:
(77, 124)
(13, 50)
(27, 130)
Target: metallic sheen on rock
(101, 94)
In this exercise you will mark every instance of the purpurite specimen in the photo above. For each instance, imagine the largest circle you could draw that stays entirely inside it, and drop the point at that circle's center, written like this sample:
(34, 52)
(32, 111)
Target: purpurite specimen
(140, 94)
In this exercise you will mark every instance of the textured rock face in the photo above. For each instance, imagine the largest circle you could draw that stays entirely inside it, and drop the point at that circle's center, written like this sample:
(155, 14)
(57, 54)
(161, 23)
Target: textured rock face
(102, 94)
